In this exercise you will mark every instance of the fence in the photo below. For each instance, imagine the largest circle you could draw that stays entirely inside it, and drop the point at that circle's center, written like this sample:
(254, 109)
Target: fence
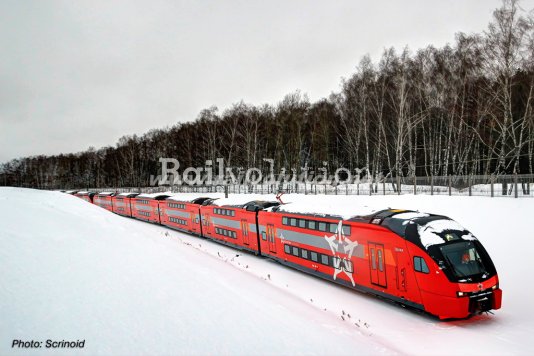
(474, 185)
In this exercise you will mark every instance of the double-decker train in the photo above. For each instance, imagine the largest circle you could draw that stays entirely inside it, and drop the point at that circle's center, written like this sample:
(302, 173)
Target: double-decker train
(423, 261)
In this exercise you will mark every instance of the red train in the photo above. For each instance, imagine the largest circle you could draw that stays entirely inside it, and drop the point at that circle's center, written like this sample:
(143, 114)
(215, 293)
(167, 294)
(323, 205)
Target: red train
(87, 196)
(424, 261)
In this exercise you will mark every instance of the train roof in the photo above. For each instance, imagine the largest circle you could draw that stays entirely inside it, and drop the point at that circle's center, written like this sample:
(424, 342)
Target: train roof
(241, 200)
(105, 193)
(156, 196)
(84, 192)
(128, 195)
(338, 211)
(193, 197)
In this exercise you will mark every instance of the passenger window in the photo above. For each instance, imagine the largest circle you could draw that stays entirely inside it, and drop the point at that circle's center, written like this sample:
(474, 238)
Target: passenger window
(322, 226)
(336, 262)
(295, 251)
(304, 253)
(314, 256)
(302, 223)
(287, 249)
(325, 260)
(311, 225)
(346, 230)
(284, 220)
(348, 266)
(333, 228)
(380, 261)
(293, 222)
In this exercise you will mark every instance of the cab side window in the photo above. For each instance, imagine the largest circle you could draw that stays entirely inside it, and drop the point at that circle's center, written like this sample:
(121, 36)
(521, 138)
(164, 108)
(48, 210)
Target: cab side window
(420, 265)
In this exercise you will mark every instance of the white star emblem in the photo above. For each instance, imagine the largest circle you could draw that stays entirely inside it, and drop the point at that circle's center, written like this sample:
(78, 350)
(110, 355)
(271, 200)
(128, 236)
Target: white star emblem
(340, 244)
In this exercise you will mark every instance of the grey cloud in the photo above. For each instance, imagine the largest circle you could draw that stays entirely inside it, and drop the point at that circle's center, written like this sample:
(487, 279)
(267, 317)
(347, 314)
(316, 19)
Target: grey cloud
(75, 74)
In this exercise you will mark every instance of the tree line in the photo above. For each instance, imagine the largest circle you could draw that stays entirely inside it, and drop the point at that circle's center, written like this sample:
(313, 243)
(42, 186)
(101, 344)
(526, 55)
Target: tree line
(463, 109)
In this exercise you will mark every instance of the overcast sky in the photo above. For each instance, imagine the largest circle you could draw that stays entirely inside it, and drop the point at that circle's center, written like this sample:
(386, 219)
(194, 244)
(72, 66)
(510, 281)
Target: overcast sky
(75, 74)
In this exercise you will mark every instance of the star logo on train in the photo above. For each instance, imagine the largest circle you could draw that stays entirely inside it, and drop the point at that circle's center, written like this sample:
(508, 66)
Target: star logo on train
(340, 244)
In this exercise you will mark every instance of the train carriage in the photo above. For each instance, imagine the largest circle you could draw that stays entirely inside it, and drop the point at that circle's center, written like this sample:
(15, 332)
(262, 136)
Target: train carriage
(233, 221)
(122, 203)
(104, 200)
(84, 195)
(147, 207)
(181, 212)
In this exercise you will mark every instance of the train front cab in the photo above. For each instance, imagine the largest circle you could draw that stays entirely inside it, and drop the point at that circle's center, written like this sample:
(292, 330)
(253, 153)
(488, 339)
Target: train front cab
(182, 213)
(146, 207)
(234, 222)
(104, 200)
(122, 203)
(455, 275)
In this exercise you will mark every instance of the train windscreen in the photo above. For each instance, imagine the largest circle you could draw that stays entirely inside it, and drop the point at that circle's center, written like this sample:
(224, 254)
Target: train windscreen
(464, 259)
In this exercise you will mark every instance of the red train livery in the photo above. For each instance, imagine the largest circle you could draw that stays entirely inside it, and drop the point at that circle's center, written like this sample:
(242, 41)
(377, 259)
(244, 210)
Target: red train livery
(122, 203)
(234, 224)
(147, 207)
(104, 200)
(87, 196)
(424, 261)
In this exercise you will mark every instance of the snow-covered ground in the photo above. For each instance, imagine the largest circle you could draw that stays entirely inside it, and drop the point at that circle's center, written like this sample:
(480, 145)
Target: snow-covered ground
(71, 271)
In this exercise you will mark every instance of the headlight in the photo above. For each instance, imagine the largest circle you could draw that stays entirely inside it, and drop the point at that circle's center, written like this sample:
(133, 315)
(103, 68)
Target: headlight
(495, 286)
(461, 294)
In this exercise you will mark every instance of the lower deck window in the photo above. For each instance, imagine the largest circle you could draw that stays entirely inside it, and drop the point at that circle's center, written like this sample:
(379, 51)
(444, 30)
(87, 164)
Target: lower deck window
(287, 249)
(311, 255)
(177, 221)
(339, 263)
(325, 260)
(227, 233)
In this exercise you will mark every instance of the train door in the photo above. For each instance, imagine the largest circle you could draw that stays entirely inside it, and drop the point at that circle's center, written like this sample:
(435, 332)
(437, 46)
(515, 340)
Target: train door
(377, 264)
(195, 220)
(270, 238)
(159, 208)
(244, 231)
(205, 221)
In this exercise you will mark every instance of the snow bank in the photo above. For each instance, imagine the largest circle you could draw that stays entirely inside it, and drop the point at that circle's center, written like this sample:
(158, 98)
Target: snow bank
(131, 287)
(127, 287)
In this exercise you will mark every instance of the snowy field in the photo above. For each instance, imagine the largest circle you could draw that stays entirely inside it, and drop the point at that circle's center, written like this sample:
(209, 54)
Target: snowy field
(73, 271)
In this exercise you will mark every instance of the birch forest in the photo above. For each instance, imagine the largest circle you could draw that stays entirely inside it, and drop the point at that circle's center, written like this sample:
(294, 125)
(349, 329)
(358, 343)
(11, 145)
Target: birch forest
(463, 109)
